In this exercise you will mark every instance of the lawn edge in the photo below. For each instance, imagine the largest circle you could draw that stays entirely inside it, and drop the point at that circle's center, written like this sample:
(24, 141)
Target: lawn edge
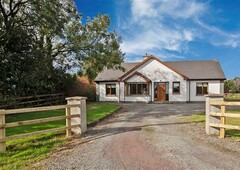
(96, 122)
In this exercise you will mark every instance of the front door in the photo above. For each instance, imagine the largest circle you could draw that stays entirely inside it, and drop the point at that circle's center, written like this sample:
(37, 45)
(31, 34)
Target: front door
(161, 92)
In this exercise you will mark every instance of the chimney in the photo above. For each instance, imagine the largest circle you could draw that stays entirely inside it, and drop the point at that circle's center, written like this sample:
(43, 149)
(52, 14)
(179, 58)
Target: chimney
(145, 56)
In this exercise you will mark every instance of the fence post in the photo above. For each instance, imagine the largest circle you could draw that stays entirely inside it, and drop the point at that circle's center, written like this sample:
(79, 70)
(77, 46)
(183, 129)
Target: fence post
(82, 120)
(68, 122)
(2, 132)
(223, 122)
(211, 119)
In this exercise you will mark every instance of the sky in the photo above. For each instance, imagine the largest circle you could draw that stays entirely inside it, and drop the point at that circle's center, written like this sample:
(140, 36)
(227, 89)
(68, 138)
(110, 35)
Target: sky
(174, 30)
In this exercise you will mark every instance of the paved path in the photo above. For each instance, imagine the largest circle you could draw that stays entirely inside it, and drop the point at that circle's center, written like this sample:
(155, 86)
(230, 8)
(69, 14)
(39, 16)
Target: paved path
(143, 136)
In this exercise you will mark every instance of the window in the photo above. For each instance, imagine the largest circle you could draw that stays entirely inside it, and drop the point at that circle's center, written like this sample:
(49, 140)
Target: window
(136, 88)
(202, 88)
(110, 89)
(176, 87)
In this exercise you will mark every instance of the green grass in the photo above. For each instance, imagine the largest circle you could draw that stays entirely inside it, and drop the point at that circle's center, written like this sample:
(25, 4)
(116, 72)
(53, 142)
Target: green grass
(231, 121)
(36, 127)
(93, 112)
(22, 152)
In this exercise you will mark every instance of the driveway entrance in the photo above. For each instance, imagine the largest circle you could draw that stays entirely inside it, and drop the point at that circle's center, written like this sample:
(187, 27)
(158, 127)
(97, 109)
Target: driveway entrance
(144, 136)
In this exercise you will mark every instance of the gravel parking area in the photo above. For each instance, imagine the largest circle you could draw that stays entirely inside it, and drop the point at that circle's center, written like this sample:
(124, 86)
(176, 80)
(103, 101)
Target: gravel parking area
(147, 136)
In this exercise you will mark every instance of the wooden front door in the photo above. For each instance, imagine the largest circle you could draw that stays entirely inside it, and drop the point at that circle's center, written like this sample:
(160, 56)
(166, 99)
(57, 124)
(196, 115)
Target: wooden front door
(161, 92)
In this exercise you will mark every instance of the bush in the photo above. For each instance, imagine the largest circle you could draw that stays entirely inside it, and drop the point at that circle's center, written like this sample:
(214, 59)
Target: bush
(83, 87)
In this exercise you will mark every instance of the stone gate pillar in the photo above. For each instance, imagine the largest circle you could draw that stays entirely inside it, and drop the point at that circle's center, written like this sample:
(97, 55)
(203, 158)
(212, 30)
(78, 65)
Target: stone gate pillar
(76, 110)
(209, 108)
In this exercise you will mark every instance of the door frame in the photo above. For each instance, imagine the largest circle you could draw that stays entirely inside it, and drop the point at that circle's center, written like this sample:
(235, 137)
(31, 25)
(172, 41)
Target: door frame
(161, 92)
(155, 84)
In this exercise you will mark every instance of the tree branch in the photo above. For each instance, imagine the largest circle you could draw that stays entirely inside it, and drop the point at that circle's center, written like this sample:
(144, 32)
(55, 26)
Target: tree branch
(3, 12)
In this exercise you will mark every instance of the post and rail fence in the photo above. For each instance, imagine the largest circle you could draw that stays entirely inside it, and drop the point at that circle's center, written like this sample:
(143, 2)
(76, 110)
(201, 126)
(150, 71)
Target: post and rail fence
(32, 101)
(216, 115)
(75, 120)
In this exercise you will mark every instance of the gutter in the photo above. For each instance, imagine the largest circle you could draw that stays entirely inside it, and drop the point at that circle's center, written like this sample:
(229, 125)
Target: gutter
(189, 93)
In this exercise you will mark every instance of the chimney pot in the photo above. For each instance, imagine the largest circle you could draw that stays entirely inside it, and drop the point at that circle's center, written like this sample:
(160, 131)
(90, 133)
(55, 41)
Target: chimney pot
(145, 56)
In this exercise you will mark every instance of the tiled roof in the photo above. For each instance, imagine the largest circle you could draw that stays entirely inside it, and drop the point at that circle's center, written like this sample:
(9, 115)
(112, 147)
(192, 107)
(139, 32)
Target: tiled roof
(113, 75)
(202, 69)
(198, 70)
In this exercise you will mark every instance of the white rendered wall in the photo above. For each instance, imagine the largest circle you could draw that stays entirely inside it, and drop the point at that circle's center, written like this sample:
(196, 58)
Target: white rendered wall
(102, 92)
(136, 78)
(214, 87)
(187, 90)
(138, 98)
(158, 72)
(222, 87)
(122, 91)
(182, 96)
(133, 98)
(97, 92)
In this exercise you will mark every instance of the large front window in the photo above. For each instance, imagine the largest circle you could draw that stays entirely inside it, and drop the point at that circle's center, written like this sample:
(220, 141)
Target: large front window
(137, 88)
(202, 88)
(110, 89)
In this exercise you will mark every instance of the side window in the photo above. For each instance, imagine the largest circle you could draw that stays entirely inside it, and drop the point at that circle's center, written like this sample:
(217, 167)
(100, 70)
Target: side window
(202, 88)
(176, 87)
(110, 89)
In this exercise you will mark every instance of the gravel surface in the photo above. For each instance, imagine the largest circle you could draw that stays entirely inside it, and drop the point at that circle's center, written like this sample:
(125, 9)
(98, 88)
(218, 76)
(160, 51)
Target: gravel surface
(147, 136)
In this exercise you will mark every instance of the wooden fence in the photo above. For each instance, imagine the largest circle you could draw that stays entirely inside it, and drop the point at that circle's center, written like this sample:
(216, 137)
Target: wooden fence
(223, 116)
(4, 125)
(33, 101)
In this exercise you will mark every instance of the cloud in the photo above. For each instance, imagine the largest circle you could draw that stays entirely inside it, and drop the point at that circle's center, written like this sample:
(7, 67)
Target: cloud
(143, 8)
(221, 41)
(156, 27)
(165, 28)
(155, 38)
(216, 30)
(175, 8)
(218, 37)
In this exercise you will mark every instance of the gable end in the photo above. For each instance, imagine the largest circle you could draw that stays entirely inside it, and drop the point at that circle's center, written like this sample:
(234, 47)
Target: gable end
(139, 74)
(146, 60)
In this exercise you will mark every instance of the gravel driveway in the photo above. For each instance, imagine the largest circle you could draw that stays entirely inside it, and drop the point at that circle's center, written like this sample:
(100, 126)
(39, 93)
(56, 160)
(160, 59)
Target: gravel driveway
(146, 136)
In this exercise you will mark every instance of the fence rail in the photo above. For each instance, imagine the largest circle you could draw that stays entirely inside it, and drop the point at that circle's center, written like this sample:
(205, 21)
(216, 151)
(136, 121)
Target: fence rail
(223, 116)
(30, 101)
(67, 117)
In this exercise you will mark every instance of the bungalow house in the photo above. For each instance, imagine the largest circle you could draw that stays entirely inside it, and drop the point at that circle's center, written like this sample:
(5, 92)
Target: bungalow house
(155, 80)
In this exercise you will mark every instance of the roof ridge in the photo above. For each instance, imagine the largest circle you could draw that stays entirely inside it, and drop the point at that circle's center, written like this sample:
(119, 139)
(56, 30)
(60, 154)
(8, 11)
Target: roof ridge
(192, 60)
(135, 62)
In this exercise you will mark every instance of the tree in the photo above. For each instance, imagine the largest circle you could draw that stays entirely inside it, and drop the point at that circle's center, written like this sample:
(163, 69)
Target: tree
(229, 86)
(232, 85)
(41, 41)
(97, 48)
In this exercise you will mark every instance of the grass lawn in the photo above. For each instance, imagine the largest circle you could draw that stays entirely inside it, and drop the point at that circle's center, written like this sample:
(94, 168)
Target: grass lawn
(93, 112)
(22, 152)
(231, 121)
